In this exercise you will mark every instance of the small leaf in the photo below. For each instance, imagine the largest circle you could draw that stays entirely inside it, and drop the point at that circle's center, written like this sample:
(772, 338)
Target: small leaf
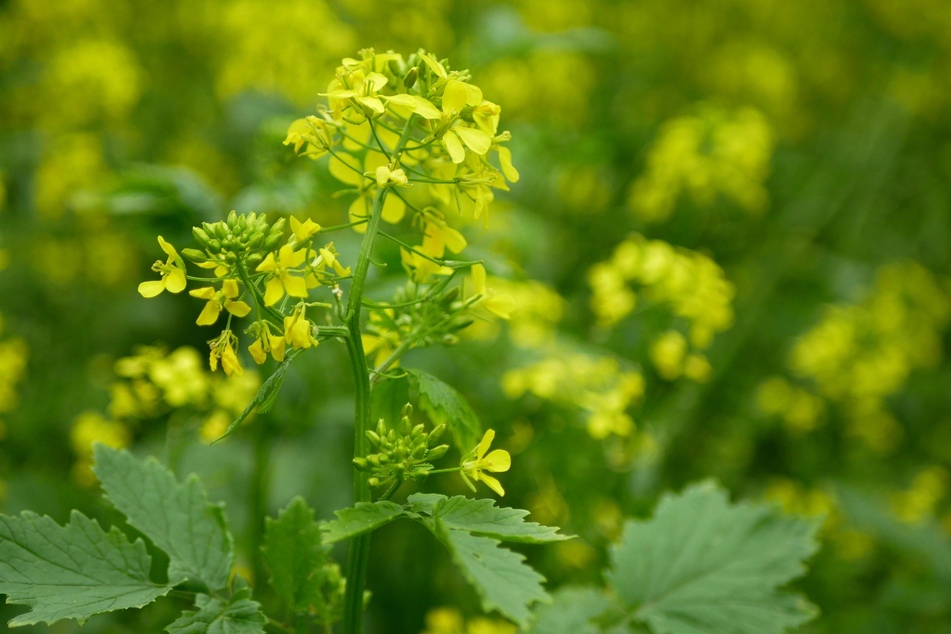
(359, 519)
(177, 517)
(294, 554)
(265, 398)
(572, 611)
(240, 615)
(424, 502)
(72, 571)
(703, 566)
(501, 577)
(484, 518)
(444, 405)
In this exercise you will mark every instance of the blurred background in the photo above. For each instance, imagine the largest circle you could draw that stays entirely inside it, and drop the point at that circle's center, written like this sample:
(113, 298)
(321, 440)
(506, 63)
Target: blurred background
(729, 248)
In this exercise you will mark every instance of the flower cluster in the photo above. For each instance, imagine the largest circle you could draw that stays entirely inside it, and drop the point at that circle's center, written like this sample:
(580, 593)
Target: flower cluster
(13, 358)
(598, 385)
(690, 284)
(418, 129)
(403, 453)
(155, 383)
(859, 354)
(249, 259)
(713, 153)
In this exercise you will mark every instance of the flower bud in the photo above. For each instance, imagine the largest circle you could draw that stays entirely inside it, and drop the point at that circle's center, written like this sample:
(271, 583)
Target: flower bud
(374, 459)
(373, 437)
(409, 79)
(420, 452)
(417, 431)
(437, 452)
(436, 434)
(194, 255)
(361, 464)
(201, 237)
(406, 425)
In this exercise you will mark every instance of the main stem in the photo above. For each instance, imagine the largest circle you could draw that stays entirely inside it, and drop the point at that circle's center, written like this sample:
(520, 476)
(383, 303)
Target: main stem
(359, 555)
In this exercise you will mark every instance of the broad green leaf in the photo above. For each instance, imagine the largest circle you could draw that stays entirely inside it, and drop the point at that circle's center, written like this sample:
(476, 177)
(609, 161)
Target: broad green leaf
(702, 565)
(294, 554)
(424, 502)
(264, 400)
(484, 518)
(177, 517)
(573, 611)
(359, 519)
(501, 577)
(443, 404)
(240, 615)
(72, 571)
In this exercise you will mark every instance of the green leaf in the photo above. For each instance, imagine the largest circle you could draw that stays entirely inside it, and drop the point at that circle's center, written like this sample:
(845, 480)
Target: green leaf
(264, 400)
(443, 404)
(703, 566)
(359, 519)
(424, 502)
(71, 571)
(484, 518)
(501, 577)
(294, 554)
(177, 517)
(240, 615)
(573, 611)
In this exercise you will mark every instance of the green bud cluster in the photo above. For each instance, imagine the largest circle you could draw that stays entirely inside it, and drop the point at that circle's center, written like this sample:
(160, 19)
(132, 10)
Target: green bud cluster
(239, 238)
(403, 453)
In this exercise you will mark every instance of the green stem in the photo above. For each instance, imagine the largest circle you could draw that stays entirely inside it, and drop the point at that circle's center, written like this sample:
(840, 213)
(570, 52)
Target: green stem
(359, 555)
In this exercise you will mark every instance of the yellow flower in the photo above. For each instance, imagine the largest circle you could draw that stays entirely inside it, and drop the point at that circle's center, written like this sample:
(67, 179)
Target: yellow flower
(266, 342)
(299, 331)
(223, 348)
(476, 461)
(499, 305)
(218, 300)
(303, 230)
(173, 273)
(281, 280)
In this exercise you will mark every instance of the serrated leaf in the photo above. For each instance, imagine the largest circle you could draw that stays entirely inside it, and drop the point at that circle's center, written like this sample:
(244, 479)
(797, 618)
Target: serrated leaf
(424, 503)
(359, 519)
(484, 518)
(444, 405)
(704, 566)
(500, 576)
(294, 554)
(573, 611)
(177, 517)
(72, 571)
(240, 615)
(264, 400)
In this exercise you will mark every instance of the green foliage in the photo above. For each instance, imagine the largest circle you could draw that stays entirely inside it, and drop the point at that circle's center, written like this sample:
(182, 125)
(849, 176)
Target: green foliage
(700, 566)
(482, 517)
(265, 398)
(293, 551)
(78, 570)
(72, 571)
(238, 615)
(360, 519)
(177, 517)
(444, 405)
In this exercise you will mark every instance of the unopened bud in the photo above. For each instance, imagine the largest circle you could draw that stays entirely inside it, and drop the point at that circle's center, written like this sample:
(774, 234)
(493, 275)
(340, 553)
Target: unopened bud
(437, 452)
(361, 464)
(436, 434)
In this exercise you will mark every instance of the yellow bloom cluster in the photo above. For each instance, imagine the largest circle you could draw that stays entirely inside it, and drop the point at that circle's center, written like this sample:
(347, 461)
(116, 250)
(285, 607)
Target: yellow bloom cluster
(13, 359)
(417, 129)
(859, 354)
(801, 410)
(451, 621)
(920, 501)
(715, 152)
(152, 383)
(690, 284)
(600, 386)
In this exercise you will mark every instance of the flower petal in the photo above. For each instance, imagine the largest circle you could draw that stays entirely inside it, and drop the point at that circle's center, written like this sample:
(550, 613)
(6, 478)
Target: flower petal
(209, 314)
(151, 289)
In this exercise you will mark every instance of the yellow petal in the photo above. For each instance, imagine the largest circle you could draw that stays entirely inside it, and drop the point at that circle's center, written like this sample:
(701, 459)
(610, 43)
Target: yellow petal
(346, 169)
(433, 64)
(425, 108)
(229, 288)
(203, 293)
(487, 439)
(505, 160)
(273, 292)
(151, 289)
(477, 140)
(454, 147)
(376, 81)
(372, 103)
(454, 97)
(238, 309)
(277, 347)
(168, 248)
(175, 281)
(209, 315)
(257, 352)
(500, 306)
(492, 483)
(478, 279)
(295, 286)
(267, 264)
(393, 209)
(497, 461)
(455, 241)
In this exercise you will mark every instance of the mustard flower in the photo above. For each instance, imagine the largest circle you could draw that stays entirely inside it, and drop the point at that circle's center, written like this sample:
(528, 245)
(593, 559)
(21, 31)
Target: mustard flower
(499, 305)
(223, 348)
(172, 271)
(218, 300)
(281, 280)
(265, 342)
(298, 330)
(476, 462)
(303, 230)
